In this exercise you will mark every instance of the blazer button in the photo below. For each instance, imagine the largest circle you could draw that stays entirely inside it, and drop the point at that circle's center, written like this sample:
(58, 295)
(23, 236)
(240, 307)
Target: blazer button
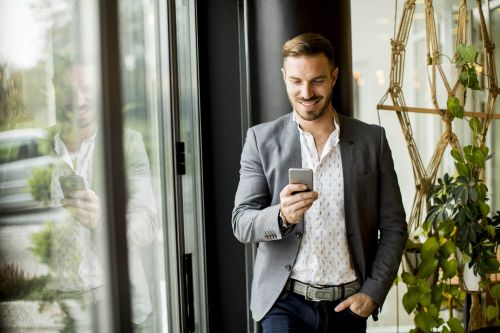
(298, 234)
(288, 268)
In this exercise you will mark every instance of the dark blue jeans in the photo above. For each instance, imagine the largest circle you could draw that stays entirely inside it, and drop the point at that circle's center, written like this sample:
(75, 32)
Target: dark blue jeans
(293, 313)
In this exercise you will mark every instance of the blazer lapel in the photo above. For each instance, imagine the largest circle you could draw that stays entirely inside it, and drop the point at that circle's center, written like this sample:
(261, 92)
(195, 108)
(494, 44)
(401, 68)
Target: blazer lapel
(291, 155)
(347, 152)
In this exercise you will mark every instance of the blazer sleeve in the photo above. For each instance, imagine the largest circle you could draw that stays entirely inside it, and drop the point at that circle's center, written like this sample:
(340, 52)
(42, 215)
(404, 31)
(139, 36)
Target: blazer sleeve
(253, 219)
(142, 221)
(392, 229)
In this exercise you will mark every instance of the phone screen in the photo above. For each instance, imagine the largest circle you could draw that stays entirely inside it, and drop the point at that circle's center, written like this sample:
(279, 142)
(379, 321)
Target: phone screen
(71, 183)
(301, 176)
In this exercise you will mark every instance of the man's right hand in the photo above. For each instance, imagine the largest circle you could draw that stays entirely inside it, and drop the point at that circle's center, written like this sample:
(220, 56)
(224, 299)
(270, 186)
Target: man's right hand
(293, 206)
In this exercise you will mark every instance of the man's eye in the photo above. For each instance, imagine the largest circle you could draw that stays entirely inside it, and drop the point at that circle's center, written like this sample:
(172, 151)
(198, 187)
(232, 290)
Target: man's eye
(318, 81)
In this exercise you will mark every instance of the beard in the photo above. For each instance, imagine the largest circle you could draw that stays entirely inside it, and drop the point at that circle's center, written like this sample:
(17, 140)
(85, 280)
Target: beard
(322, 107)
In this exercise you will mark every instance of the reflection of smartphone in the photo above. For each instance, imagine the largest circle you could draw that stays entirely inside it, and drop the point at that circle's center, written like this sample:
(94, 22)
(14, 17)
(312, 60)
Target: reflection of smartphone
(71, 183)
(301, 176)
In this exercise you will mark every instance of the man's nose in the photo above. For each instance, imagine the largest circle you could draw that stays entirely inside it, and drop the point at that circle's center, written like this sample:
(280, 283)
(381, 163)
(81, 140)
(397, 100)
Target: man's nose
(81, 97)
(306, 91)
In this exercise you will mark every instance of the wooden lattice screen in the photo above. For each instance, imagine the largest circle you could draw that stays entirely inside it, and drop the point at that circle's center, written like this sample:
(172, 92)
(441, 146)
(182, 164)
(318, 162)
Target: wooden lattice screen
(425, 177)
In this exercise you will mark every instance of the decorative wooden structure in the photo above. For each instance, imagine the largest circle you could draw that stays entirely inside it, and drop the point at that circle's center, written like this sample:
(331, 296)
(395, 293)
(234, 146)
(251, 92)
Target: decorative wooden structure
(425, 176)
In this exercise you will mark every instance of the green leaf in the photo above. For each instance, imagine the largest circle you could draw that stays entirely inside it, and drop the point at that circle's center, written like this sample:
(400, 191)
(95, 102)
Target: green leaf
(424, 322)
(468, 78)
(425, 299)
(411, 299)
(446, 227)
(466, 54)
(475, 125)
(457, 155)
(447, 249)
(437, 294)
(469, 232)
(490, 230)
(408, 278)
(445, 330)
(429, 248)
(411, 245)
(455, 325)
(423, 287)
(427, 267)
(455, 108)
(473, 194)
(433, 310)
(484, 208)
(462, 169)
(485, 150)
(478, 159)
(450, 268)
(491, 312)
(495, 291)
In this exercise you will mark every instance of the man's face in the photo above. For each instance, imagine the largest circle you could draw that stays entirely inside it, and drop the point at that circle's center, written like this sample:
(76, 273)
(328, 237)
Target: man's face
(75, 97)
(309, 81)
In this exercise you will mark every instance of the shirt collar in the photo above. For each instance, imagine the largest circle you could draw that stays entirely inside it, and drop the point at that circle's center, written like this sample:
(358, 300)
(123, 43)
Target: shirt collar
(334, 137)
(60, 147)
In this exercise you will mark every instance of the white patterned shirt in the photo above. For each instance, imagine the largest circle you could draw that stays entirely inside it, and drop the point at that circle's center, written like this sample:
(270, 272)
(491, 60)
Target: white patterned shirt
(74, 242)
(324, 257)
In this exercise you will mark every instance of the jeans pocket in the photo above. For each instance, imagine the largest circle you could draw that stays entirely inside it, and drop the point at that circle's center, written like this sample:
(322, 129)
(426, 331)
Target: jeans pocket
(284, 295)
(355, 315)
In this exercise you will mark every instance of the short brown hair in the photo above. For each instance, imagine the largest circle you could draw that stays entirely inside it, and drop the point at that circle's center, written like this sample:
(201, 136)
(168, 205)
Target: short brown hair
(308, 44)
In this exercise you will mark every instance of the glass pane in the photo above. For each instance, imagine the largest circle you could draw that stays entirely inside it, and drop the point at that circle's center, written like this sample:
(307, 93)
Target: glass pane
(148, 166)
(372, 29)
(194, 240)
(52, 228)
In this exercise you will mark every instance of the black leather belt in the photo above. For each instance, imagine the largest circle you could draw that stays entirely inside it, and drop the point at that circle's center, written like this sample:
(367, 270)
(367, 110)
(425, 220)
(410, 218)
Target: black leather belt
(323, 293)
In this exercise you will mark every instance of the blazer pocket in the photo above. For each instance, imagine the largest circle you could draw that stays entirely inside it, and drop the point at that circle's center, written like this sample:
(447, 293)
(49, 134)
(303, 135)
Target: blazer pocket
(367, 173)
(367, 191)
(368, 180)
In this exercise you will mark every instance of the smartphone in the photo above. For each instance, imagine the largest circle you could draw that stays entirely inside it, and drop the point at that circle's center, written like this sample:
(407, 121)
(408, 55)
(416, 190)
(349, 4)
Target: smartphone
(71, 183)
(301, 176)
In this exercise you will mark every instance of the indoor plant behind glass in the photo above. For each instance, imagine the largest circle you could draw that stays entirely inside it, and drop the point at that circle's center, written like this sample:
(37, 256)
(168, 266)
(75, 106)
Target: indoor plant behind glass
(461, 202)
(459, 231)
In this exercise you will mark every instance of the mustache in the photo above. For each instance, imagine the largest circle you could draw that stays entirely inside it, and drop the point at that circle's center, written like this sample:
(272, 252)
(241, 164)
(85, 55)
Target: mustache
(312, 99)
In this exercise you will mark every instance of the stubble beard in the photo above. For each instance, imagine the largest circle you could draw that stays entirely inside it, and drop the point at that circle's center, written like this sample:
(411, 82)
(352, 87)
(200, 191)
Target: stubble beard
(311, 116)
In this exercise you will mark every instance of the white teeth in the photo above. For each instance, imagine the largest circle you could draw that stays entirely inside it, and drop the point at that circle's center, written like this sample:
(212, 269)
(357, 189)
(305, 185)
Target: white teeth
(308, 103)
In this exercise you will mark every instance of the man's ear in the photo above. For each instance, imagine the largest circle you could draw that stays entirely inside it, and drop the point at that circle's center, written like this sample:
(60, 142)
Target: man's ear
(334, 74)
(284, 74)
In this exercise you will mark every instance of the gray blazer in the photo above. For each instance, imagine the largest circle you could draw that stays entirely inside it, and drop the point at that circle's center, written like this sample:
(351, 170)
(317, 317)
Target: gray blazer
(372, 205)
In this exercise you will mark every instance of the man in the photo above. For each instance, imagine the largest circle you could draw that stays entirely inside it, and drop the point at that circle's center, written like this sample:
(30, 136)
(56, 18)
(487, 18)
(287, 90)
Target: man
(75, 263)
(326, 258)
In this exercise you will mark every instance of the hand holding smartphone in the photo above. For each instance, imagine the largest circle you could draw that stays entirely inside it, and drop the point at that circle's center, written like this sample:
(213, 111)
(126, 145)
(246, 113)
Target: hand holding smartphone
(301, 176)
(71, 183)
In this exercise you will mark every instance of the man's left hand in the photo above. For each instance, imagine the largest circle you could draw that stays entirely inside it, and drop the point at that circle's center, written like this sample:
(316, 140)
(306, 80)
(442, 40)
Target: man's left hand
(359, 303)
(85, 207)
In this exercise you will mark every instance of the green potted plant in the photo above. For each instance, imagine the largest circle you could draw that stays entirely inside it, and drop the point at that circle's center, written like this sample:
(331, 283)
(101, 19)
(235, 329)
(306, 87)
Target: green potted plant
(459, 231)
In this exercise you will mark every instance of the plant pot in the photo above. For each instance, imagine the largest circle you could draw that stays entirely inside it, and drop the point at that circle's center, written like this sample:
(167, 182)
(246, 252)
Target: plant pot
(411, 260)
(470, 280)
(31, 316)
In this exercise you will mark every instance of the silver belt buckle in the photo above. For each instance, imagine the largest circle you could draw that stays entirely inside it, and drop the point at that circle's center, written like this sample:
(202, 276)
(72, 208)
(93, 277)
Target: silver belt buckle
(307, 295)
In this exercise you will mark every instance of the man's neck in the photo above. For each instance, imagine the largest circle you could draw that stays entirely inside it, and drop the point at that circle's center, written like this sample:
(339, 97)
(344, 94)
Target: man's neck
(73, 137)
(320, 127)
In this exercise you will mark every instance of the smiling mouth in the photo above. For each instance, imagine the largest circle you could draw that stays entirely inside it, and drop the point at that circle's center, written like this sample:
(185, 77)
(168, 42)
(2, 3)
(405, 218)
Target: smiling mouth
(83, 109)
(309, 103)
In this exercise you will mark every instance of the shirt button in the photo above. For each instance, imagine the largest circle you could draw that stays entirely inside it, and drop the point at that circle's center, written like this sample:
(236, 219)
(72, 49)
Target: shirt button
(288, 268)
(298, 234)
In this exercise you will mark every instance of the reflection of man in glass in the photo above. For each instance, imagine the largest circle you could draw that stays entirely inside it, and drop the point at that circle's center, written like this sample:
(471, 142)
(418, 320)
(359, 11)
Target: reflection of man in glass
(74, 252)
